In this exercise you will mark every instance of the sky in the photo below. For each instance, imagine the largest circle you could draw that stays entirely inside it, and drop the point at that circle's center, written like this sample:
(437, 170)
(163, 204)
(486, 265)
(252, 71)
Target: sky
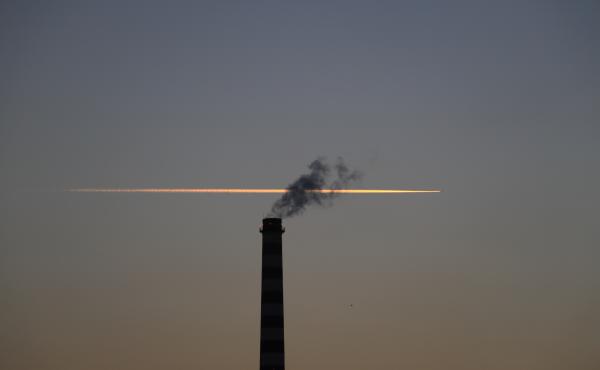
(497, 103)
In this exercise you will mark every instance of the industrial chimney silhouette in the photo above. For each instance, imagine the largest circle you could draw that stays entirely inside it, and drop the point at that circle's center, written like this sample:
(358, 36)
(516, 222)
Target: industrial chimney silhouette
(272, 355)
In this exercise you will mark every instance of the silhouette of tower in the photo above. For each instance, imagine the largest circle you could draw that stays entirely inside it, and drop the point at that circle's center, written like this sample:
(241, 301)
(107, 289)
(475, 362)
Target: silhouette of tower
(272, 355)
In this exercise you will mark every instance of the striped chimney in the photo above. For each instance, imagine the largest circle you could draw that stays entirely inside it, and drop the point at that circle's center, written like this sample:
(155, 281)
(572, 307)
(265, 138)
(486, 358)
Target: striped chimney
(271, 301)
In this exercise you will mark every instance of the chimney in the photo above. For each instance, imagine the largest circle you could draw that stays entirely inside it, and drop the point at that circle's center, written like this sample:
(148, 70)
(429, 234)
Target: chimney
(271, 301)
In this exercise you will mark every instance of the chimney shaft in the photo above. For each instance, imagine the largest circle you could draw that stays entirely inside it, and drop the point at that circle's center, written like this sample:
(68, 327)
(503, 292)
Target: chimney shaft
(271, 301)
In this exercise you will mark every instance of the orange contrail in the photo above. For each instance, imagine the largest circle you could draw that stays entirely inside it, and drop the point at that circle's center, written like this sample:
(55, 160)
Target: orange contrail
(244, 191)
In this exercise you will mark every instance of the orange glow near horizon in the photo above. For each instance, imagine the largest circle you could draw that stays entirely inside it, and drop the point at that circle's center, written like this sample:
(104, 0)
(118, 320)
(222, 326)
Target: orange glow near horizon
(244, 191)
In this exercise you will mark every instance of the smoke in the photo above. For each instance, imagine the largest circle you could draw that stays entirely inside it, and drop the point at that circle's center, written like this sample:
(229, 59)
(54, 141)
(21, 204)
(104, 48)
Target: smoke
(312, 188)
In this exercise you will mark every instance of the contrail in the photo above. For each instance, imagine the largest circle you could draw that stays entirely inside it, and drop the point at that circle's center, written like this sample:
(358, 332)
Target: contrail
(319, 186)
(247, 191)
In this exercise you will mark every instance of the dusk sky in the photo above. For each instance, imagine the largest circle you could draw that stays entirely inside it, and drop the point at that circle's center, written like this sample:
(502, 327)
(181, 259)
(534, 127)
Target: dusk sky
(496, 103)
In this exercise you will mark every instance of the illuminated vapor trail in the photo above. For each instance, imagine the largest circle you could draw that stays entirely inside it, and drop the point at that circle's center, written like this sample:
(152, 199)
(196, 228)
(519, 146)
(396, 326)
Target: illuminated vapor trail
(246, 191)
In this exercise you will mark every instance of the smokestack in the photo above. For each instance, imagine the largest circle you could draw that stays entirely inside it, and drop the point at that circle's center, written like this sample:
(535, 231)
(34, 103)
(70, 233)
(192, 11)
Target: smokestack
(271, 301)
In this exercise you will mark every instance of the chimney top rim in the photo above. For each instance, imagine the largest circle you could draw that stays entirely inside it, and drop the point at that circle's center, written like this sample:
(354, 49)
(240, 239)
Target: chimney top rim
(271, 220)
(272, 224)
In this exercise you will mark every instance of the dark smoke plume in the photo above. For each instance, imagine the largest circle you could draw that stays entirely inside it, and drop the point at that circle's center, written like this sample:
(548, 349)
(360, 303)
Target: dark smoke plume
(299, 194)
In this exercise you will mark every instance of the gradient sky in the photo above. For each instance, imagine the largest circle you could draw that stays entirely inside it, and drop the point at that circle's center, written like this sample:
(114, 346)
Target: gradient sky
(495, 102)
